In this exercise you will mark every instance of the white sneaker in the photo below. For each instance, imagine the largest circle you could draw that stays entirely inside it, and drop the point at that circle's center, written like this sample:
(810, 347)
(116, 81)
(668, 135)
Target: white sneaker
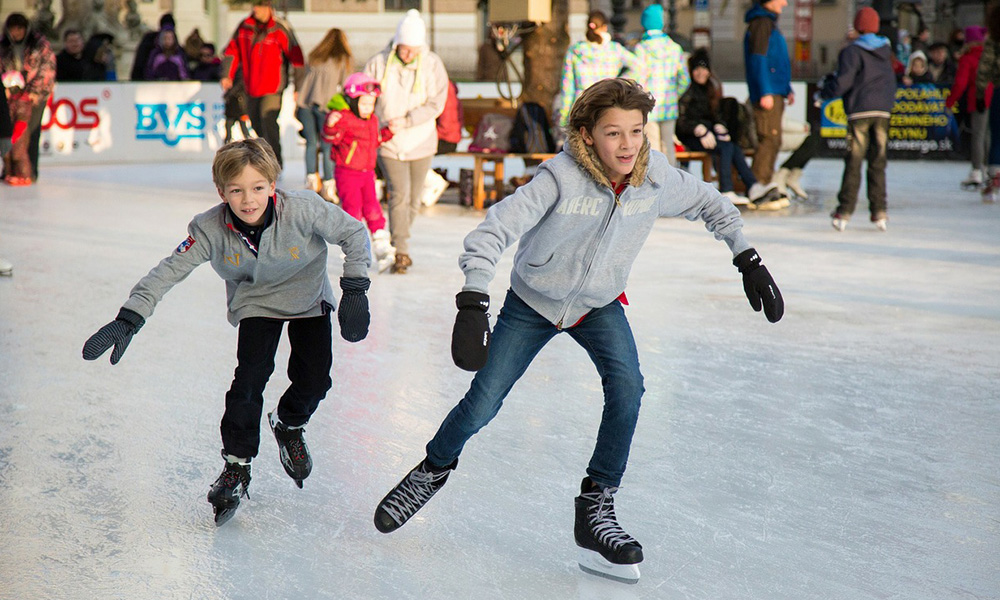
(313, 182)
(881, 224)
(383, 250)
(793, 184)
(6, 268)
(736, 199)
(329, 191)
(780, 178)
(839, 222)
(974, 180)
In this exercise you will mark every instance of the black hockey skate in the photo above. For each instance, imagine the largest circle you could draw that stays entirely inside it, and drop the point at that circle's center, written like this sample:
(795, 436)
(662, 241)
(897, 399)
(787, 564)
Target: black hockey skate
(292, 449)
(227, 490)
(410, 495)
(605, 549)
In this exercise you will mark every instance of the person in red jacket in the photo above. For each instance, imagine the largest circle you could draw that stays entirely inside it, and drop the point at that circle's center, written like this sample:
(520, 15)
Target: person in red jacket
(965, 86)
(354, 137)
(261, 47)
(449, 122)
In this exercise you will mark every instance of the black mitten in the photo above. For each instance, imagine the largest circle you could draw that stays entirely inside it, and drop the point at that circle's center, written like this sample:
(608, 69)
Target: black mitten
(759, 285)
(353, 310)
(470, 339)
(117, 333)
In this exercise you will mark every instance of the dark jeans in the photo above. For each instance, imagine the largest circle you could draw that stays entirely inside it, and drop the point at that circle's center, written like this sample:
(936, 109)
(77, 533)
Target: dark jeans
(519, 335)
(263, 112)
(308, 369)
(803, 154)
(867, 139)
(725, 157)
(312, 119)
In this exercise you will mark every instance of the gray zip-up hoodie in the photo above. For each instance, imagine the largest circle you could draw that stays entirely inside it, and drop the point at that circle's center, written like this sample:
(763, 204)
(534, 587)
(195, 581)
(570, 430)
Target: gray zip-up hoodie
(285, 279)
(577, 241)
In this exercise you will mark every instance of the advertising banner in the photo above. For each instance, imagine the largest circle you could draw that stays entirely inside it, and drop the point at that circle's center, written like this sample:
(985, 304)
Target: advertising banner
(142, 122)
(921, 126)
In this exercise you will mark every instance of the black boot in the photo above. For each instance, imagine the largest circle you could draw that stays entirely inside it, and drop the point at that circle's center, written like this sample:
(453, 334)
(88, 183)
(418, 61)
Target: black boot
(597, 531)
(228, 489)
(410, 495)
(292, 449)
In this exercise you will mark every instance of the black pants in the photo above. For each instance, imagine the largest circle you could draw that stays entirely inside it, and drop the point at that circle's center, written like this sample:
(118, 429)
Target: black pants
(308, 369)
(803, 154)
(263, 112)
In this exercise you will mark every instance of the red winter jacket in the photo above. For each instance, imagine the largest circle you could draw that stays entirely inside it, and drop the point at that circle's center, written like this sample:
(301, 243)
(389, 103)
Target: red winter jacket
(355, 140)
(965, 80)
(449, 122)
(261, 51)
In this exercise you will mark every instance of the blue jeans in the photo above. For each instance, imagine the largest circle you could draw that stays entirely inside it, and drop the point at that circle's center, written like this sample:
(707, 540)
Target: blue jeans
(730, 155)
(519, 335)
(312, 119)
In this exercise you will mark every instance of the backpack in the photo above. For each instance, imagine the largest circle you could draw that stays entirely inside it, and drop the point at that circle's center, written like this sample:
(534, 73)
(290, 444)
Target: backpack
(738, 119)
(492, 134)
(530, 133)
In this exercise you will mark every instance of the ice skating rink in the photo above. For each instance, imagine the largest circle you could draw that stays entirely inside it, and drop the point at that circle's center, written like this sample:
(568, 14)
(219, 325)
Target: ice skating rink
(851, 451)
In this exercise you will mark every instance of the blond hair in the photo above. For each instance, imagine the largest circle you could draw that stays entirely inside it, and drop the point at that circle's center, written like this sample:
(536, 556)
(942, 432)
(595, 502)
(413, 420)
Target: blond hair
(616, 92)
(232, 158)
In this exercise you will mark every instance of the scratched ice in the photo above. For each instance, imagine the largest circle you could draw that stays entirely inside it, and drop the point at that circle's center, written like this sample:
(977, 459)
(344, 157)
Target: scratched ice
(848, 452)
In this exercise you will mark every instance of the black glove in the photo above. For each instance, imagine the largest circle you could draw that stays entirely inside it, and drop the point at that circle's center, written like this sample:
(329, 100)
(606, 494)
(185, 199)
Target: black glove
(759, 285)
(470, 339)
(353, 311)
(117, 333)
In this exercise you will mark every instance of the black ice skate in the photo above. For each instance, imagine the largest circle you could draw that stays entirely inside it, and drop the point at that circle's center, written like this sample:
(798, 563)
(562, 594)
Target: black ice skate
(227, 490)
(410, 495)
(292, 449)
(605, 549)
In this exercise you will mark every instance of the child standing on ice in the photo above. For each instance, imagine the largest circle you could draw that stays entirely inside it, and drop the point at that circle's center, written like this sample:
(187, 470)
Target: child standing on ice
(354, 137)
(579, 225)
(270, 247)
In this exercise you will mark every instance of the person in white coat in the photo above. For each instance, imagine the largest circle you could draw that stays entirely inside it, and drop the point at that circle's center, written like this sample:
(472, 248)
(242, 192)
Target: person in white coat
(414, 91)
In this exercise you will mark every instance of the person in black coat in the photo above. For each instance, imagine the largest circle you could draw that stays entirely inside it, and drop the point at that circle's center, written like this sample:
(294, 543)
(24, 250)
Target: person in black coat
(146, 46)
(72, 63)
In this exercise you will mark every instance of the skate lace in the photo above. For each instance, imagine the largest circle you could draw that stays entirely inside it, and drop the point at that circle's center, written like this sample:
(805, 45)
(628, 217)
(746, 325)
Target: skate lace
(231, 477)
(413, 493)
(296, 450)
(603, 521)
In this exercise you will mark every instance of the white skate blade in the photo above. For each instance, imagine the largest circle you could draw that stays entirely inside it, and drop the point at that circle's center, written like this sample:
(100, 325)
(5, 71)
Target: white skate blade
(593, 563)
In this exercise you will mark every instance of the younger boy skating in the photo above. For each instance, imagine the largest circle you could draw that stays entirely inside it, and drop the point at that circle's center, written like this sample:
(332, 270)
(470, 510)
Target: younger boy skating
(270, 247)
(579, 225)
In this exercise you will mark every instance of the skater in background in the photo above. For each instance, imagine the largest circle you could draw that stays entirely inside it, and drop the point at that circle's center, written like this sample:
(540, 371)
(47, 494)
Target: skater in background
(167, 61)
(963, 93)
(146, 46)
(864, 80)
(327, 67)
(354, 135)
(665, 76)
(263, 48)
(270, 247)
(579, 225)
(769, 81)
(988, 74)
(414, 86)
(28, 68)
(591, 60)
(209, 66)
(700, 128)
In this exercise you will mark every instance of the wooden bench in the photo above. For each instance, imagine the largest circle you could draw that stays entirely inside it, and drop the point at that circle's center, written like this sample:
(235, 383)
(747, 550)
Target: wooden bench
(492, 164)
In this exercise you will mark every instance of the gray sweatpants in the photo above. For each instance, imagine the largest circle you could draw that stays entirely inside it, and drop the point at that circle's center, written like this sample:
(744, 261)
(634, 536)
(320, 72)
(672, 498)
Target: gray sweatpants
(405, 180)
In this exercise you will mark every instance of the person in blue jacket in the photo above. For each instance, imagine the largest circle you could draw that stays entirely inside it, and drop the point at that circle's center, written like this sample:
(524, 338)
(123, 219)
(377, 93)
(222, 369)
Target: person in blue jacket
(578, 225)
(769, 79)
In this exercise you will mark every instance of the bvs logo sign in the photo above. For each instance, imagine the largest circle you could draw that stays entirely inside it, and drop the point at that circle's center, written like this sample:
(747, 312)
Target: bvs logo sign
(170, 123)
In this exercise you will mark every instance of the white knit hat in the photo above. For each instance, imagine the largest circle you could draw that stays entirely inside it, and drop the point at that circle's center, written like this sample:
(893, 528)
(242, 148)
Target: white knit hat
(411, 30)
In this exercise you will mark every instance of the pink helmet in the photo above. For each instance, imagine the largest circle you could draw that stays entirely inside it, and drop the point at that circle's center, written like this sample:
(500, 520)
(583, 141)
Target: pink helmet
(361, 84)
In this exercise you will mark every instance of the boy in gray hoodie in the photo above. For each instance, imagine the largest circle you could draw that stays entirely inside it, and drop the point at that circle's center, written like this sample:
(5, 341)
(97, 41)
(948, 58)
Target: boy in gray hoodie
(270, 247)
(580, 223)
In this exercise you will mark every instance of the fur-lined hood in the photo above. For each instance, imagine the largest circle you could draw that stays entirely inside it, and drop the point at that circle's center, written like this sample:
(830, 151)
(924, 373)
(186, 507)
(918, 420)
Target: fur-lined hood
(587, 158)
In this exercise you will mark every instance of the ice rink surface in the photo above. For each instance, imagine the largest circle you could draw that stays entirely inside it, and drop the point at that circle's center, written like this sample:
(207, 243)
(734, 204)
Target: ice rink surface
(850, 451)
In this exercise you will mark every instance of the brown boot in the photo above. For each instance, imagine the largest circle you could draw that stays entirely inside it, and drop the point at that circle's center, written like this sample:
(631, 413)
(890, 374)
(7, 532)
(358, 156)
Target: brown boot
(402, 262)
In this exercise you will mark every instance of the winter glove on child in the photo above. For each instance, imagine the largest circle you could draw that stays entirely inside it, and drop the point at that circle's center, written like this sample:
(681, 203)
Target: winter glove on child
(470, 339)
(759, 285)
(117, 333)
(353, 311)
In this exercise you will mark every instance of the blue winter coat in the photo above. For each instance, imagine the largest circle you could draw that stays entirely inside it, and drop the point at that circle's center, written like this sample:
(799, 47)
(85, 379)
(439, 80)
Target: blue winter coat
(765, 55)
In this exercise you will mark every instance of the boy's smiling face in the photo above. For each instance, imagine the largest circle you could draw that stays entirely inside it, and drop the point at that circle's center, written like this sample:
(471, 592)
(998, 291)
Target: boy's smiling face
(617, 139)
(247, 195)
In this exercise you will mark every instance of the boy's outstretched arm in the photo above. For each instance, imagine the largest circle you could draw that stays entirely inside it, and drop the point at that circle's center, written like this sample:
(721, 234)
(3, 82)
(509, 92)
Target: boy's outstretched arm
(117, 333)
(759, 286)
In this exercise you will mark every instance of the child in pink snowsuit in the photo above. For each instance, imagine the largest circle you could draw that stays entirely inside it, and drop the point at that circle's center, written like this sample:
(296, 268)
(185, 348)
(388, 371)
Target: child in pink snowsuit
(354, 137)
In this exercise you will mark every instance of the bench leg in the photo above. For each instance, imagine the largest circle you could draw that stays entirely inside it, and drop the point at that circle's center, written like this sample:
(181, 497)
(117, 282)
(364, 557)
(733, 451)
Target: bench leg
(478, 184)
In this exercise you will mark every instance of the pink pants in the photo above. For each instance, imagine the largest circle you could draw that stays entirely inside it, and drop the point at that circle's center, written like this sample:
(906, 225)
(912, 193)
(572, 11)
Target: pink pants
(356, 190)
